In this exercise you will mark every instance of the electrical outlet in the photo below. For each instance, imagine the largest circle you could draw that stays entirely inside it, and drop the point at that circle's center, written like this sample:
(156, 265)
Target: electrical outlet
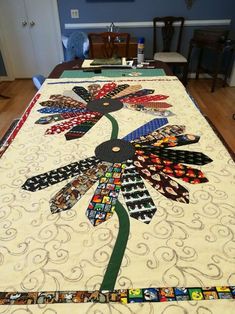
(74, 13)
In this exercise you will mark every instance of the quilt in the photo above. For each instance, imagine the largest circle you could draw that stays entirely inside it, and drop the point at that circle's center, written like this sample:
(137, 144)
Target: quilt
(116, 196)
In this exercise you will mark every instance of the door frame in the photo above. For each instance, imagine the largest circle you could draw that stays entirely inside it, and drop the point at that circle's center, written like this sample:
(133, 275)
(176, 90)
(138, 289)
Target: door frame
(7, 59)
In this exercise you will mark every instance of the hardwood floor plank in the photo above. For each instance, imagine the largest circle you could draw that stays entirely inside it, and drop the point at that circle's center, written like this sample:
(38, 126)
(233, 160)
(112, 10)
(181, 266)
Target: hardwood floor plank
(20, 93)
(219, 107)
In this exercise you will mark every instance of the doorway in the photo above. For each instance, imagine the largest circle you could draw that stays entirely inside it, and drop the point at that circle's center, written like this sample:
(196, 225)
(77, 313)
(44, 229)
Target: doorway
(30, 37)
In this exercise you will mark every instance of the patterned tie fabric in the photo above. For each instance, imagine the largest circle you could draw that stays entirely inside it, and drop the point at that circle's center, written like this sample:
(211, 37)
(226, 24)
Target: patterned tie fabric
(68, 124)
(127, 91)
(55, 176)
(154, 105)
(137, 94)
(93, 89)
(178, 140)
(143, 99)
(62, 101)
(156, 135)
(116, 90)
(79, 130)
(81, 119)
(177, 170)
(138, 201)
(69, 195)
(144, 109)
(82, 92)
(184, 156)
(57, 117)
(162, 182)
(102, 204)
(60, 110)
(144, 130)
(107, 88)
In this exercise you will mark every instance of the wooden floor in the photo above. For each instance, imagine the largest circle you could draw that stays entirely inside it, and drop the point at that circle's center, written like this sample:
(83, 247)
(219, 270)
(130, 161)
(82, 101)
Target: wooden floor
(20, 93)
(218, 106)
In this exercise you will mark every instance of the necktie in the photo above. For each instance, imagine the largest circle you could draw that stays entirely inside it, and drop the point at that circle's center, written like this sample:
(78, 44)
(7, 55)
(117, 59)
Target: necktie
(57, 117)
(143, 99)
(163, 183)
(145, 129)
(55, 176)
(116, 90)
(177, 170)
(138, 201)
(143, 108)
(63, 104)
(69, 195)
(93, 90)
(82, 92)
(178, 156)
(105, 89)
(59, 110)
(155, 105)
(137, 94)
(79, 130)
(156, 135)
(102, 204)
(129, 90)
(91, 117)
(178, 140)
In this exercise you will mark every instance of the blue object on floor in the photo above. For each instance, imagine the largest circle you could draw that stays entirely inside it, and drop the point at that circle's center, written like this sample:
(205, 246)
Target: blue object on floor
(77, 46)
(38, 80)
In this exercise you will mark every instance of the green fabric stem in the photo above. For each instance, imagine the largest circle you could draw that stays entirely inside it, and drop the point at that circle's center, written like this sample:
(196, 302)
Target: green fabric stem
(115, 127)
(115, 261)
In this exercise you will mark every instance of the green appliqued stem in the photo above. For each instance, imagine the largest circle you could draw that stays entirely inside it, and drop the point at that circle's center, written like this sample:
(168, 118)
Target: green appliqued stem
(118, 250)
(115, 127)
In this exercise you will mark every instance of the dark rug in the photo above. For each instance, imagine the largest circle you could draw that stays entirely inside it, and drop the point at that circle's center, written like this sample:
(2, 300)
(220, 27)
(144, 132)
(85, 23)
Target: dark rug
(9, 131)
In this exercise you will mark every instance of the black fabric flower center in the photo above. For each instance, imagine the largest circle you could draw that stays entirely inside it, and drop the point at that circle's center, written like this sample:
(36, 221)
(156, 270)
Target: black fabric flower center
(115, 150)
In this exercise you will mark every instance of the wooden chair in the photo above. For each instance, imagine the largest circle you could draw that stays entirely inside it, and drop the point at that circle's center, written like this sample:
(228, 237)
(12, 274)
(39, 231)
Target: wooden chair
(111, 43)
(171, 56)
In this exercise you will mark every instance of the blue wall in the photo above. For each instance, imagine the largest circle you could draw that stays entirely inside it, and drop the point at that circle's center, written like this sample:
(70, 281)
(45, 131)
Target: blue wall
(92, 11)
(98, 11)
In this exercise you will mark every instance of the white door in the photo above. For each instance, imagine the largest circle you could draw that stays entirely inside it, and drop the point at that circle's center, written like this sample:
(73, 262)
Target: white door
(31, 36)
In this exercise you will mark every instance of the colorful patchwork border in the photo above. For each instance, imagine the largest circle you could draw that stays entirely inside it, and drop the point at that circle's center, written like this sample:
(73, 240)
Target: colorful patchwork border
(123, 296)
(19, 125)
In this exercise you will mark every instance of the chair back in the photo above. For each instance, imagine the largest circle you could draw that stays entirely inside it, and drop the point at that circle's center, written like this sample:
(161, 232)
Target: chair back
(110, 43)
(168, 33)
(77, 46)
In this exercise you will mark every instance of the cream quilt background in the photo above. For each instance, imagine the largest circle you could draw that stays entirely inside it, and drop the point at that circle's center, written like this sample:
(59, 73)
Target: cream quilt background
(185, 245)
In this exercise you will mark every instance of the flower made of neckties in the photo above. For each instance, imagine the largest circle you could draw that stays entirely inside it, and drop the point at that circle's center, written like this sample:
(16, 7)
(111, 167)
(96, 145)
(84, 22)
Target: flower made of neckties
(76, 118)
(120, 165)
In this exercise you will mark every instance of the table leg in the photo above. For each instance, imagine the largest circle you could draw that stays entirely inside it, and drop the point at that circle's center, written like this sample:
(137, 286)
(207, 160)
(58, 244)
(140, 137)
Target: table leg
(217, 66)
(199, 63)
(229, 63)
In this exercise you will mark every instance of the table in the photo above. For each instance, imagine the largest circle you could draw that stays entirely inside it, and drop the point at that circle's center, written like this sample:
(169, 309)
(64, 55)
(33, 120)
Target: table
(116, 191)
(76, 65)
(217, 42)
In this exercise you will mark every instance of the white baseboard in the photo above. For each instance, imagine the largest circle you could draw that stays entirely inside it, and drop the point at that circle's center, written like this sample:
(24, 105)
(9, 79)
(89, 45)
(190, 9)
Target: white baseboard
(6, 78)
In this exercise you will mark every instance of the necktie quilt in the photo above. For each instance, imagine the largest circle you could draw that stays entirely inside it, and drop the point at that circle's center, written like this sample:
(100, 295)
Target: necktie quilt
(116, 196)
